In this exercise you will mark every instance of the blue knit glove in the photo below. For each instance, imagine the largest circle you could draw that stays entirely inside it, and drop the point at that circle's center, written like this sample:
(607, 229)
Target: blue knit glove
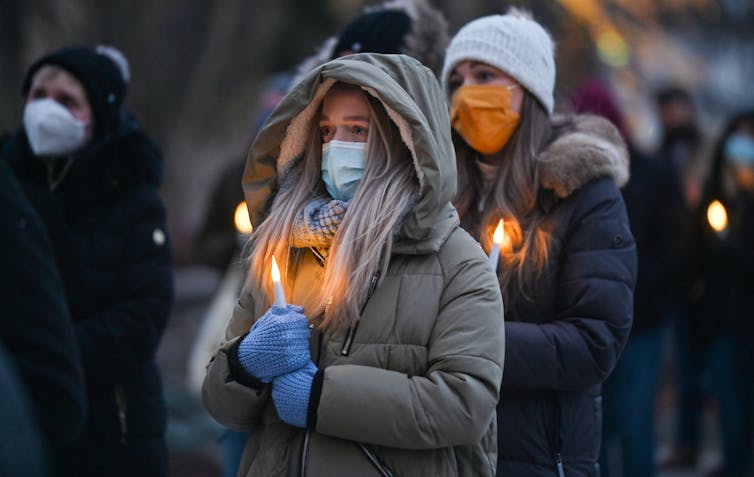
(290, 393)
(278, 343)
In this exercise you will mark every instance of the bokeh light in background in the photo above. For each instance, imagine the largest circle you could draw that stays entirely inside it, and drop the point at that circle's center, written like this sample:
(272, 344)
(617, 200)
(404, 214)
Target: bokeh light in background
(198, 68)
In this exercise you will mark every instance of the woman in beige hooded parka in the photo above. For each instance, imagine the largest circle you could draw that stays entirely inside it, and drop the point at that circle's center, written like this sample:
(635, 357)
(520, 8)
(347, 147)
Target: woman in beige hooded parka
(405, 357)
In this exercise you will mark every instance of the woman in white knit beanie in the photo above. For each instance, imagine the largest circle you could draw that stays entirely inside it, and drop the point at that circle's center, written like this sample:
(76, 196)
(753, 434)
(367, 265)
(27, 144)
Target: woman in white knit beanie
(567, 262)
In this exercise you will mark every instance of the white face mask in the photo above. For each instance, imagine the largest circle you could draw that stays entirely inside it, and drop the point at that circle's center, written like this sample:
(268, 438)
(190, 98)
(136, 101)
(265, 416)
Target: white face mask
(343, 165)
(51, 128)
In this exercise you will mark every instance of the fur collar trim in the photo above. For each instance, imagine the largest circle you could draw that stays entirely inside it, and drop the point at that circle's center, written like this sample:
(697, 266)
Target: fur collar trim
(585, 148)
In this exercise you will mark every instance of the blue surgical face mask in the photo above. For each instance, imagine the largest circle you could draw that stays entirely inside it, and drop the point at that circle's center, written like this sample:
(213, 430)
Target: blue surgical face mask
(343, 165)
(739, 150)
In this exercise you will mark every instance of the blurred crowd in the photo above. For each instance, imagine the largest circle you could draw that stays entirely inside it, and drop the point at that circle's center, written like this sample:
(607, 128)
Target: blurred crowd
(88, 279)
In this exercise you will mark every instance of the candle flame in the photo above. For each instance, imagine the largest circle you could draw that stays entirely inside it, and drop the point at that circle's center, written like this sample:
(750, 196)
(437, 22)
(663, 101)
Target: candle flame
(241, 219)
(275, 271)
(499, 234)
(717, 216)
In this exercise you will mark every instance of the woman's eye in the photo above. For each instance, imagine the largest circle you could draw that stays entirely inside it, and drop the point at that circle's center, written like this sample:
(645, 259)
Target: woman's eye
(325, 131)
(484, 76)
(358, 130)
(454, 84)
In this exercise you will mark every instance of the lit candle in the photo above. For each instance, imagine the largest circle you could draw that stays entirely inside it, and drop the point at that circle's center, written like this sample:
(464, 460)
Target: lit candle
(717, 217)
(279, 294)
(497, 239)
(241, 219)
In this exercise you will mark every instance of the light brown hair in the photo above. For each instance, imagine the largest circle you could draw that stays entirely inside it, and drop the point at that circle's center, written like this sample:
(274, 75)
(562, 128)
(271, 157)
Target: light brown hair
(513, 197)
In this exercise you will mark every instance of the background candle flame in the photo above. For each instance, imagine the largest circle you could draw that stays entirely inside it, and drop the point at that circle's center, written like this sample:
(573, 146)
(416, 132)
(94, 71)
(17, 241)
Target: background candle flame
(717, 216)
(241, 219)
(499, 234)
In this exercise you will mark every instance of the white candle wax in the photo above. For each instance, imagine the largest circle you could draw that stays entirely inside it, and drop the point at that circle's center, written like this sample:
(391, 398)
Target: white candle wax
(497, 239)
(494, 255)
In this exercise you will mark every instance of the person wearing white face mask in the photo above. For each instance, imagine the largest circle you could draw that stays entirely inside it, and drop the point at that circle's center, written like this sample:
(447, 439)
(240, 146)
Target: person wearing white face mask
(388, 358)
(93, 174)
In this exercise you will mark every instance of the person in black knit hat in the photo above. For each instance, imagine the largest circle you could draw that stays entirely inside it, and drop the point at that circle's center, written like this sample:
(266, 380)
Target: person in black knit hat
(92, 174)
(103, 72)
(409, 27)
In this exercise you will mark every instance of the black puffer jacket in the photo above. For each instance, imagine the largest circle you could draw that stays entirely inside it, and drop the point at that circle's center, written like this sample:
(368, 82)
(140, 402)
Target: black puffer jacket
(564, 340)
(107, 225)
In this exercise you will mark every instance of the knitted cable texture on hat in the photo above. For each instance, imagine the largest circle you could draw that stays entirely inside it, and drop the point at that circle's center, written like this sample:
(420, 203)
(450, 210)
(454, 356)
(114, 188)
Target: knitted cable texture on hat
(316, 225)
(278, 343)
(291, 392)
(513, 43)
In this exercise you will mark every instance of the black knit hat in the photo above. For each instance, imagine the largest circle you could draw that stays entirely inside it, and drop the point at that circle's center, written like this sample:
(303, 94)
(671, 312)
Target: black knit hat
(103, 71)
(381, 31)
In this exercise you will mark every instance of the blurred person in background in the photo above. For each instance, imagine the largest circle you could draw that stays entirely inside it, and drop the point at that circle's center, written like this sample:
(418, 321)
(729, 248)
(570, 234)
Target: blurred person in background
(567, 261)
(680, 146)
(38, 334)
(409, 27)
(349, 186)
(723, 292)
(681, 139)
(217, 242)
(92, 175)
(655, 206)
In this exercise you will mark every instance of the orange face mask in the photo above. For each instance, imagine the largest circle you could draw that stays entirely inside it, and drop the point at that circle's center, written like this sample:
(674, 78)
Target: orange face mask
(482, 115)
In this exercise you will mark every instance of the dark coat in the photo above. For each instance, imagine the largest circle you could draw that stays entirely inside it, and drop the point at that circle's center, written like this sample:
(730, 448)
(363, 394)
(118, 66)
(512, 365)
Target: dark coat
(107, 224)
(564, 339)
(22, 451)
(656, 211)
(36, 327)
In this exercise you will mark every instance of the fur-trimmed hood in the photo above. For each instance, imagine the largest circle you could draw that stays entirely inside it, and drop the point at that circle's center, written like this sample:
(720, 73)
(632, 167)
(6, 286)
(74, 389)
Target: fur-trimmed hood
(585, 148)
(426, 41)
(413, 100)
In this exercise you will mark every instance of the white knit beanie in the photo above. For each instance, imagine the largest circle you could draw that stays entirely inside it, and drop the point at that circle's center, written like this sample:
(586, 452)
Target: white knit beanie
(513, 43)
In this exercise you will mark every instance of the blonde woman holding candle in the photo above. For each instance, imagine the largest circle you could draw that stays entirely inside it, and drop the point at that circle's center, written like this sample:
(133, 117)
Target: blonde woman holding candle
(567, 265)
(349, 186)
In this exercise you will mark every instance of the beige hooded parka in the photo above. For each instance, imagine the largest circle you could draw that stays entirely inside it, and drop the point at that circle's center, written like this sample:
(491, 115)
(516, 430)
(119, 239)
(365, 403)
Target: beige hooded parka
(416, 394)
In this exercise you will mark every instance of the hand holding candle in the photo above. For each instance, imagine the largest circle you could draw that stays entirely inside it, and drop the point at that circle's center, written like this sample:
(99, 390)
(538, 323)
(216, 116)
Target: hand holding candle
(497, 239)
(278, 287)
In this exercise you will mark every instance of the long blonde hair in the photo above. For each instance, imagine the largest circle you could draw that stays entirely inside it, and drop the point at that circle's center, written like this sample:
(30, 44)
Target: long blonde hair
(363, 243)
(513, 198)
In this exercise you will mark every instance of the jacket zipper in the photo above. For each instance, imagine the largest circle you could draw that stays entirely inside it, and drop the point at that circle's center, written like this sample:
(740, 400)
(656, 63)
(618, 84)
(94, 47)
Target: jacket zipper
(305, 447)
(351, 332)
(555, 438)
(120, 401)
(303, 453)
(381, 468)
